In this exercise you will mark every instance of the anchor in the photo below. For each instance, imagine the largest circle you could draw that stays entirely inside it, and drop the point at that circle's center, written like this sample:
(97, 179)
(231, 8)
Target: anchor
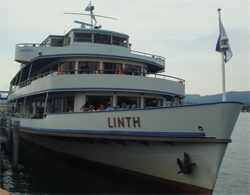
(185, 167)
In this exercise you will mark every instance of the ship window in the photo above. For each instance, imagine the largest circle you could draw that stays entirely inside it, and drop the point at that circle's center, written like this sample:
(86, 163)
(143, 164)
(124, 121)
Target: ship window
(58, 105)
(87, 67)
(57, 43)
(45, 43)
(96, 101)
(83, 37)
(54, 68)
(133, 70)
(67, 67)
(48, 71)
(110, 67)
(67, 39)
(145, 70)
(176, 101)
(102, 38)
(148, 100)
(129, 101)
(120, 41)
(68, 101)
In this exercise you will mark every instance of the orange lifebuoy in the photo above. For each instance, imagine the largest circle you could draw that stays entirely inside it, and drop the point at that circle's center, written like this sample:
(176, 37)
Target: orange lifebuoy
(60, 73)
(180, 82)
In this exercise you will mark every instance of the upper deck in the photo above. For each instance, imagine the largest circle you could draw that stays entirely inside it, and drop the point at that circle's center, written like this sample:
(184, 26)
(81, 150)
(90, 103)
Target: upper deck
(84, 42)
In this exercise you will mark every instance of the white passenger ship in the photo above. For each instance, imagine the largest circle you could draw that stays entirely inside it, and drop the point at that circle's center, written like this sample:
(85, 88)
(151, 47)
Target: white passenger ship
(180, 145)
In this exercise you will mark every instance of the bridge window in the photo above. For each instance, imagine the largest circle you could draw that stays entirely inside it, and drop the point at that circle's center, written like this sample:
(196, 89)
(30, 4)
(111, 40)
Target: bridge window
(102, 38)
(57, 43)
(83, 37)
(120, 41)
(67, 38)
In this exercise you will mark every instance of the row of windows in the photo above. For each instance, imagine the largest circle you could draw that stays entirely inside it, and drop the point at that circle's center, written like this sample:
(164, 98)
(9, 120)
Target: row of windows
(90, 67)
(101, 38)
(62, 104)
(59, 105)
(86, 37)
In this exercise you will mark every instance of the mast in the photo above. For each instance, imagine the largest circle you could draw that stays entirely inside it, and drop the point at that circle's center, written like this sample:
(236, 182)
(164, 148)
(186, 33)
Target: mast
(223, 47)
(90, 8)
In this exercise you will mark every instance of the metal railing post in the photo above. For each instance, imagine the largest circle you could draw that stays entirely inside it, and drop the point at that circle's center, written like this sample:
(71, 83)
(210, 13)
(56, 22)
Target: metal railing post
(8, 135)
(15, 141)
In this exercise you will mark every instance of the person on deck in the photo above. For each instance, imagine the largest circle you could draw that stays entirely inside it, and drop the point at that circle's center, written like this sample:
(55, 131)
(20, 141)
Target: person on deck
(153, 103)
(91, 108)
(70, 109)
(109, 106)
(85, 107)
(123, 106)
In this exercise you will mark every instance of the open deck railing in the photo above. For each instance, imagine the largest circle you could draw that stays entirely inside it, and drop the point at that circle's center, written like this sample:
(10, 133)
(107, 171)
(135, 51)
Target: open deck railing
(96, 71)
(147, 54)
(41, 45)
(67, 45)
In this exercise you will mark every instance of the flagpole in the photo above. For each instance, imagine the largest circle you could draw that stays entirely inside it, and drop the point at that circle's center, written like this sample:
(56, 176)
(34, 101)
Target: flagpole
(222, 64)
(224, 98)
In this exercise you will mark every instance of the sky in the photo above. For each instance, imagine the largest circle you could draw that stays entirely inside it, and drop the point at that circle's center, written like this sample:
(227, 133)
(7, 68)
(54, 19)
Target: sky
(185, 32)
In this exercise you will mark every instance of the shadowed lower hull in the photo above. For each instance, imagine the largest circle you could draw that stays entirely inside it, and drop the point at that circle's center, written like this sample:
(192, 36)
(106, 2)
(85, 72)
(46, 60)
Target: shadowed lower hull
(147, 159)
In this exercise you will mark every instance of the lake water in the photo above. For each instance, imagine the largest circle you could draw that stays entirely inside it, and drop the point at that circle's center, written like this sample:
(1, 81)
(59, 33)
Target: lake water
(234, 173)
(42, 171)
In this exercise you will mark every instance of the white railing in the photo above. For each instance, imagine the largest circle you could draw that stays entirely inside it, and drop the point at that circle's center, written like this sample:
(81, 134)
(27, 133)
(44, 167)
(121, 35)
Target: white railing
(148, 55)
(97, 71)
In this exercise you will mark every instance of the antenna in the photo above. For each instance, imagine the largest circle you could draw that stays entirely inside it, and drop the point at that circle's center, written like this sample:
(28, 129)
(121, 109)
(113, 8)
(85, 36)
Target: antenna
(92, 16)
(83, 23)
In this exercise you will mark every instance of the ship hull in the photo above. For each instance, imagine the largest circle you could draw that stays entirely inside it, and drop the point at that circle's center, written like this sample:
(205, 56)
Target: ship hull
(146, 152)
(153, 160)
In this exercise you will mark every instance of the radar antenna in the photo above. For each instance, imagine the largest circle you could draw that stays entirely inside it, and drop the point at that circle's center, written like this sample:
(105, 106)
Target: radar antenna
(90, 8)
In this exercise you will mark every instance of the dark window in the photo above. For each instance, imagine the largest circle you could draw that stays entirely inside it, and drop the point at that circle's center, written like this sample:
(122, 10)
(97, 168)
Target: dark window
(87, 67)
(42, 73)
(133, 70)
(112, 67)
(57, 43)
(67, 66)
(120, 41)
(83, 37)
(58, 105)
(96, 101)
(68, 101)
(55, 67)
(102, 38)
(67, 38)
(148, 100)
(129, 101)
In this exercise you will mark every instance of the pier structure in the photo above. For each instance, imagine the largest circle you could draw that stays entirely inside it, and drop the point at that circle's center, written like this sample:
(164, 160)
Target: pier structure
(10, 137)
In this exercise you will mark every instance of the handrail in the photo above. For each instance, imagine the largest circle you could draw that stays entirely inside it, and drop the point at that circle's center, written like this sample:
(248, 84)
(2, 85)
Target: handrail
(101, 71)
(66, 45)
(147, 54)
(40, 45)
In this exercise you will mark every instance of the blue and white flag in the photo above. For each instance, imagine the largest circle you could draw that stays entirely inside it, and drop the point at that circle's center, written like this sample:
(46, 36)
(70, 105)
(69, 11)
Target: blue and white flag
(91, 8)
(228, 54)
(88, 8)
